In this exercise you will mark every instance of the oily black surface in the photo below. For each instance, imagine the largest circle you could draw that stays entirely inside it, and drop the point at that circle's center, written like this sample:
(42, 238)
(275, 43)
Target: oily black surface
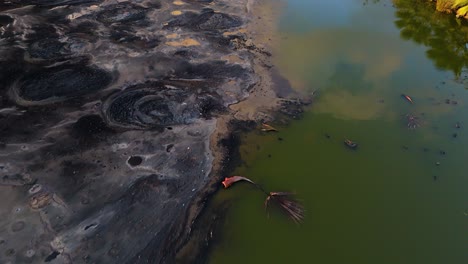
(59, 83)
(106, 116)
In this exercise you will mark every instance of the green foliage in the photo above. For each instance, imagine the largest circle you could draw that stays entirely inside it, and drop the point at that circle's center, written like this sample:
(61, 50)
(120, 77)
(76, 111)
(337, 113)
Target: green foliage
(462, 12)
(460, 3)
(443, 34)
(445, 5)
(461, 7)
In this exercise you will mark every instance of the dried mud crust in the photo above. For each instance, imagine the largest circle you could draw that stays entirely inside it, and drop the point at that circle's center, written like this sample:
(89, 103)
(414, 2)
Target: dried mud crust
(111, 114)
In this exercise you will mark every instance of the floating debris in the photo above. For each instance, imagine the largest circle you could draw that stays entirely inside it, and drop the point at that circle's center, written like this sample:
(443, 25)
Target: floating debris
(233, 179)
(412, 121)
(268, 128)
(457, 125)
(350, 144)
(284, 200)
(409, 99)
(290, 206)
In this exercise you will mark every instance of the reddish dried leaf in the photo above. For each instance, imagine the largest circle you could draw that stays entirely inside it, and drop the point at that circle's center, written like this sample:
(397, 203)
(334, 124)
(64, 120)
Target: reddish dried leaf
(409, 99)
(231, 180)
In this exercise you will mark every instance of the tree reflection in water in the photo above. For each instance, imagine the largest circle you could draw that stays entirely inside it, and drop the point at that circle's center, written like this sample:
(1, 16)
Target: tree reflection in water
(445, 35)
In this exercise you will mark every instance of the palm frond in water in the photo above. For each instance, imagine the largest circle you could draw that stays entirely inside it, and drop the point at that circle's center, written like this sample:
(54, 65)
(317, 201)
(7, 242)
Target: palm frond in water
(284, 200)
(288, 204)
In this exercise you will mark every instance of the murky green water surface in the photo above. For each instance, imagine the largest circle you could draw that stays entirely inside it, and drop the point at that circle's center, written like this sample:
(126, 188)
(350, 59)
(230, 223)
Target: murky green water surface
(388, 201)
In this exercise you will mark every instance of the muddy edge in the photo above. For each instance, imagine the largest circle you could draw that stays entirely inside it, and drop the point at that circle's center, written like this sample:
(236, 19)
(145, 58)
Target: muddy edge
(272, 100)
(119, 118)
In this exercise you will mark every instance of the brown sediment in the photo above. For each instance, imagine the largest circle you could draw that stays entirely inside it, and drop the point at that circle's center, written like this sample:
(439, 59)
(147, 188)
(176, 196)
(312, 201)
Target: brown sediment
(184, 43)
(262, 101)
(260, 36)
(179, 3)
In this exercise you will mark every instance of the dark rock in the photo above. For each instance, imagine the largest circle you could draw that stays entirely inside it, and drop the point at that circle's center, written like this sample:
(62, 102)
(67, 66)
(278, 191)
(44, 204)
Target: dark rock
(135, 161)
(292, 108)
(89, 125)
(5, 20)
(52, 256)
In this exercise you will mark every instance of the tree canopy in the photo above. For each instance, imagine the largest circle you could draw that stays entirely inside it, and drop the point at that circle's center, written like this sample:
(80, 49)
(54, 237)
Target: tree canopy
(445, 35)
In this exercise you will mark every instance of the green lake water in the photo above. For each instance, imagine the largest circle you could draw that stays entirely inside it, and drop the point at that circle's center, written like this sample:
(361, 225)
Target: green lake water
(402, 196)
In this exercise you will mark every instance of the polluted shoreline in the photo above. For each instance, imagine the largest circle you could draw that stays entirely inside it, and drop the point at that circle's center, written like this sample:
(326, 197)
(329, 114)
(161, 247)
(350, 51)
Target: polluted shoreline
(117, 119)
